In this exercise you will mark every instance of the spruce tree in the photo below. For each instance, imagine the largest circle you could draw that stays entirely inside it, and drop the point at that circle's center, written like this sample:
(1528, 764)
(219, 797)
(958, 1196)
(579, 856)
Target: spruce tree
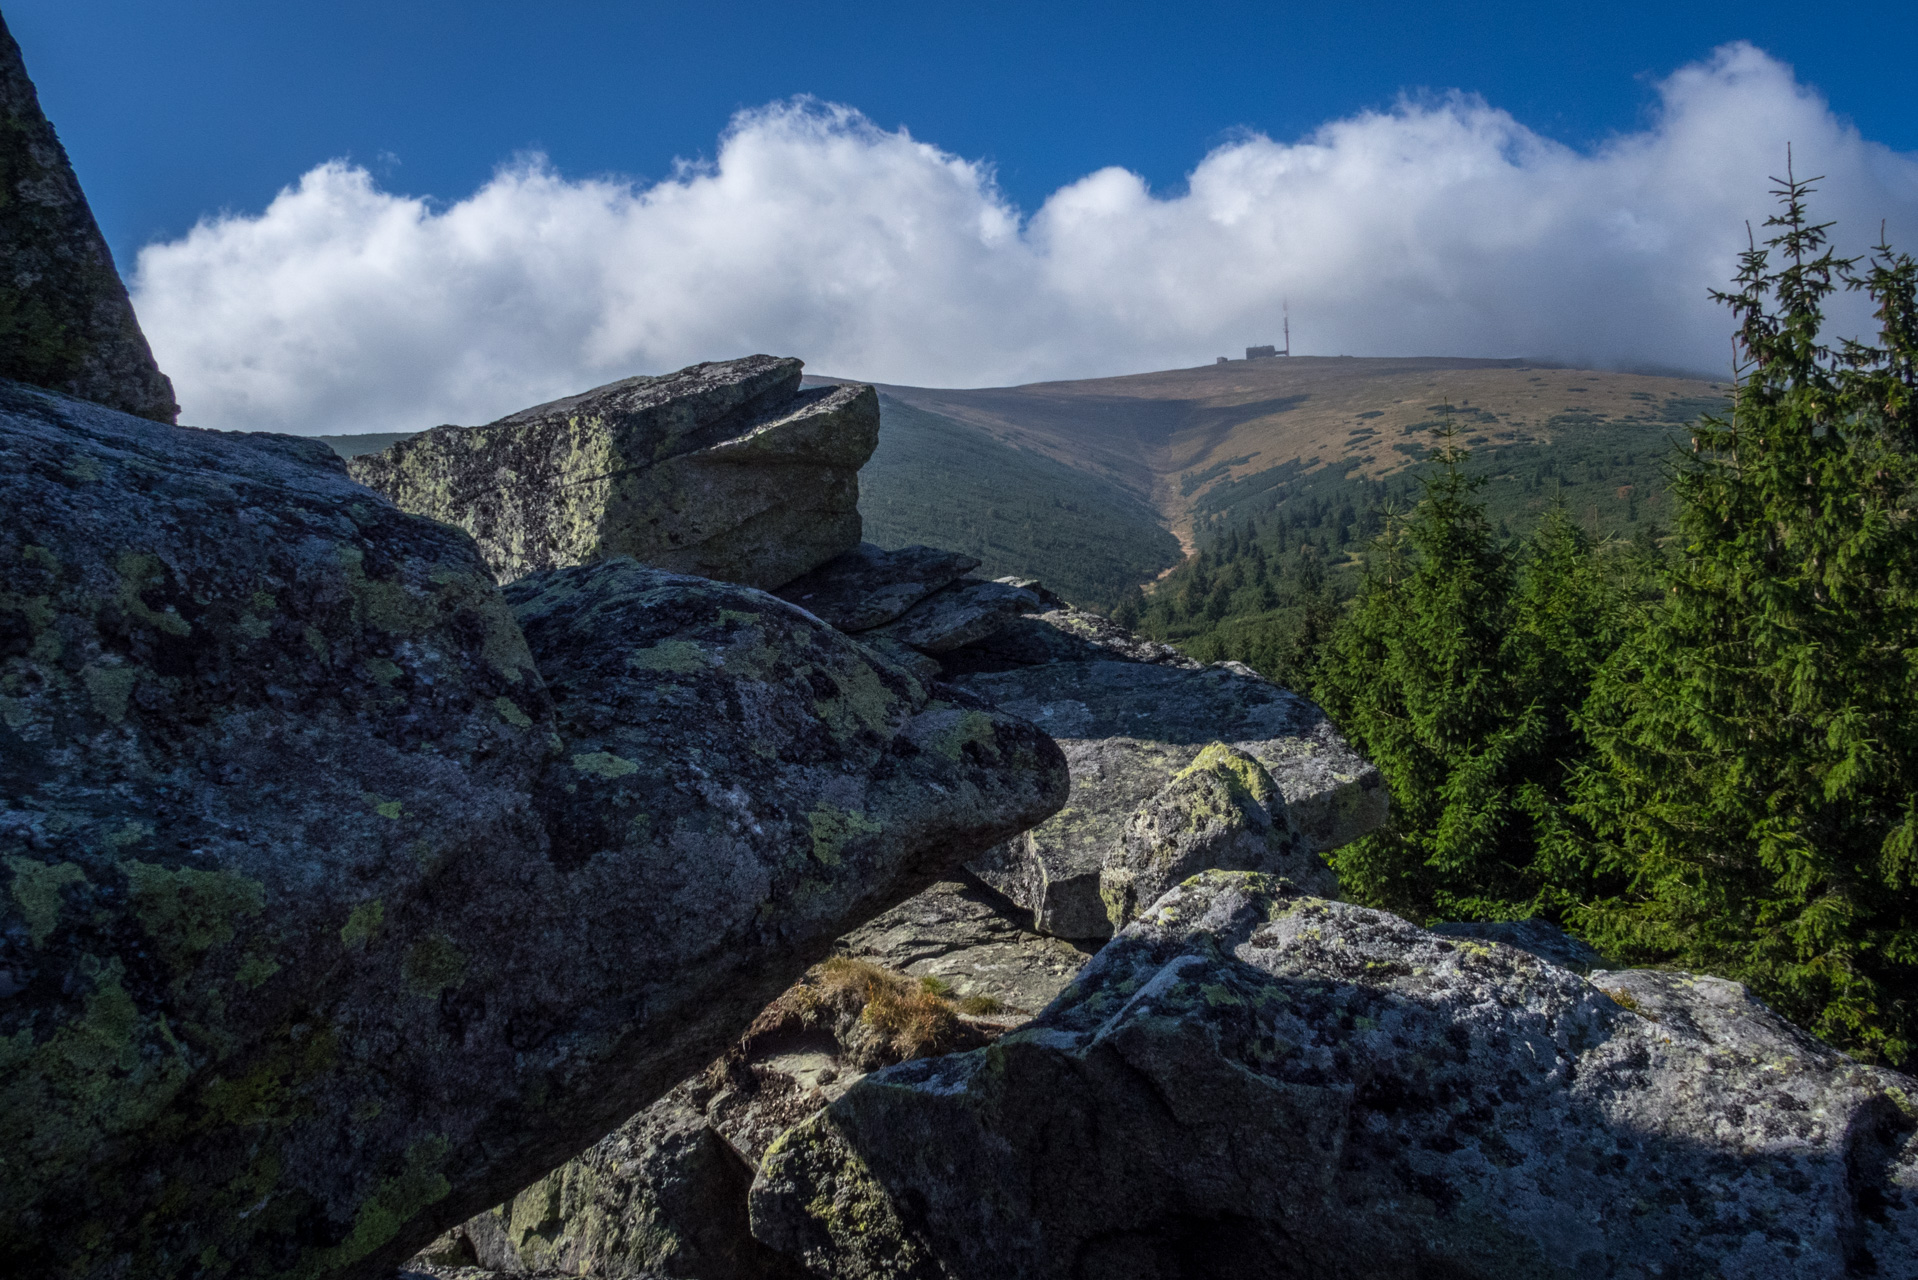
(1458, 672)
(1756, 739)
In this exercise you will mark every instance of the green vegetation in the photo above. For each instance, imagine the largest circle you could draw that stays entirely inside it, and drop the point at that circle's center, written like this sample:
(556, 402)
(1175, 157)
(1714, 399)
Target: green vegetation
(937, 481)
(1455, 672)
(1695, 751)
(1754, 754)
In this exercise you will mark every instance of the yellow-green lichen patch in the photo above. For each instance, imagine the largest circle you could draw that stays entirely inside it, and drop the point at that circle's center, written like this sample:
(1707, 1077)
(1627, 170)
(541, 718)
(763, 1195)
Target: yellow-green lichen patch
(834, 828)
(1115, 893)
(109, 688)
(316, 642)
(383, 670)
(36, 611)
(140, 573)
(393, 1204)
(391, 809)
(971, 728)
(671, 657)
(108, 1071)
(385, 606)
(509, 711)
(255, 969)
(186, 911)
(432, 964)
(604, 764)
(362, 925)
(36, 887)
(1244, 777)
(864, 703)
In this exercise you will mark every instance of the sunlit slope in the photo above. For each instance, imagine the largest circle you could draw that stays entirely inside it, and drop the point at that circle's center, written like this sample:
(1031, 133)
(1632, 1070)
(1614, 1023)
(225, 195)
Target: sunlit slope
(1192, 442)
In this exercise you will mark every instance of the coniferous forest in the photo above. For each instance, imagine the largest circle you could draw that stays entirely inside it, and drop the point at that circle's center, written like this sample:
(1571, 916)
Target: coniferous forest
(1696, 748)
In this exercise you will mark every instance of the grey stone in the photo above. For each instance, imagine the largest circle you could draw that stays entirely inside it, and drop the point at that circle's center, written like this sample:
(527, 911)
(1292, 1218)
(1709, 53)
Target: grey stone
(1257, 1083)
(727, 470)
(972, 940)
(869, 586)
(1221, 812)
(1060, 635)
(663, 1195)
(922, 666)
(65, 320)
(958, 615)
(666, 1192)
(1543, 939)
(1129, 729)
(335, 913)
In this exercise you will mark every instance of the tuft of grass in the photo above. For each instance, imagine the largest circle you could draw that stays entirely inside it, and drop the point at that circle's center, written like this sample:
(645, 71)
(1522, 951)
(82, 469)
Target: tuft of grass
(897, 1017)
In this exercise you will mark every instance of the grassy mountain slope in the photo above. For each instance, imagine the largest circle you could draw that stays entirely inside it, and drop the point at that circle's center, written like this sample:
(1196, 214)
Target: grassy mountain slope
(1211, 444)
(941, 482)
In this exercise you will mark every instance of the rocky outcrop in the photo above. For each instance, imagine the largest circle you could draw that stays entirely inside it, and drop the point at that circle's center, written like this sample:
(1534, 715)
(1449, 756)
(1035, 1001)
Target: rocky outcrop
(1176, 768)
(666, 1193)
(334, 912)
(728, 470)
(1254, 1082)
(65, 320)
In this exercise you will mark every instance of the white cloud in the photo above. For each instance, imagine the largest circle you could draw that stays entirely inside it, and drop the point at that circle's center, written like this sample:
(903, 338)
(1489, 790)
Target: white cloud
(1442, 227)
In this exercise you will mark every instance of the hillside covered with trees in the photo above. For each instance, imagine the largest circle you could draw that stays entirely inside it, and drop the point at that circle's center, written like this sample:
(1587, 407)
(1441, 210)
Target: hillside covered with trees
(1693, 747)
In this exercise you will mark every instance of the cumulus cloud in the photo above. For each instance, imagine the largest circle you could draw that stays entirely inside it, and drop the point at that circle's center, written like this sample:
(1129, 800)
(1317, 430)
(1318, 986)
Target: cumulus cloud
(1441, 227)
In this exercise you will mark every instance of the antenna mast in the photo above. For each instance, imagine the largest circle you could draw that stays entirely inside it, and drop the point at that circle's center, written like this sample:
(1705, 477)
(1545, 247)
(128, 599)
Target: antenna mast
(1286, 305)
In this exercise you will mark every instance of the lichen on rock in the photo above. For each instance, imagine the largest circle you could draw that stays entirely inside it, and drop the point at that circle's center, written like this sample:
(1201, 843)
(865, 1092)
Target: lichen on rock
(341, 902)
(728, 470)
(1252, 1081)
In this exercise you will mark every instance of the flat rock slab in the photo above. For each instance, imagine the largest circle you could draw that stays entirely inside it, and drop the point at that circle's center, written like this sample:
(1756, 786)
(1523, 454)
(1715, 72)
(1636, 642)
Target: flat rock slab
(960, 614)
(1060, 634)
(1128, 729)
(869, 586)
(726, 470)
(972, 940)
(1250, 1082)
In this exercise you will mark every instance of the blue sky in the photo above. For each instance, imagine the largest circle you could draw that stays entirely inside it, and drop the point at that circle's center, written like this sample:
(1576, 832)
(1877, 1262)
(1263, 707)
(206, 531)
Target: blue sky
(380, 216)
(177, 109)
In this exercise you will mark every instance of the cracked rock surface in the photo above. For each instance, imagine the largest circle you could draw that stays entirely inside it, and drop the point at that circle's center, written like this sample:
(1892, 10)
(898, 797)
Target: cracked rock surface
(1250, 1081)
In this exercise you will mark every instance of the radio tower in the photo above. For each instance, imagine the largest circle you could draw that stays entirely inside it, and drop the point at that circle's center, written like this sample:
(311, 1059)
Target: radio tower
(1286, 306)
